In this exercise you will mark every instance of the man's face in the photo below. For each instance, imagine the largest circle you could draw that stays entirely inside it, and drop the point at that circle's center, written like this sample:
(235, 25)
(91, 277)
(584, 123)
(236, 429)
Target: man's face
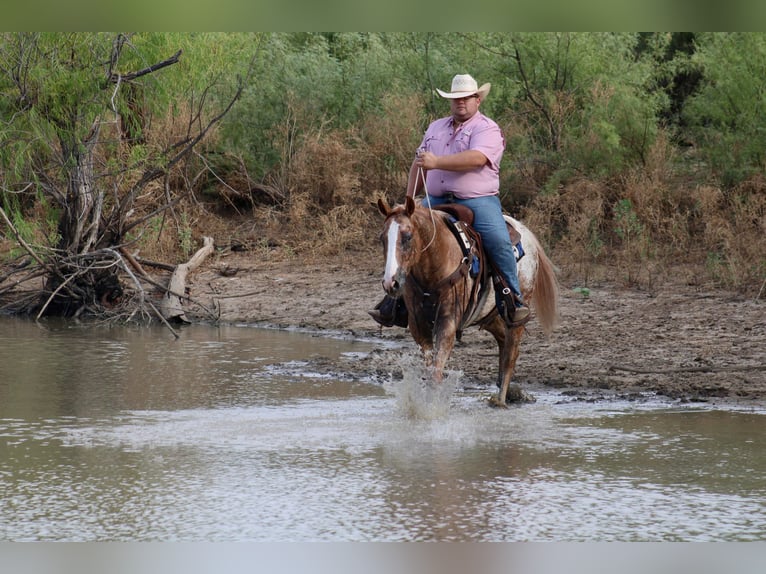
(464, 108)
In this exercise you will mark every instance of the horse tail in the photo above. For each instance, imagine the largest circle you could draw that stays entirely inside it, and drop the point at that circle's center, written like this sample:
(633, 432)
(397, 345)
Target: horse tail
(546, 292)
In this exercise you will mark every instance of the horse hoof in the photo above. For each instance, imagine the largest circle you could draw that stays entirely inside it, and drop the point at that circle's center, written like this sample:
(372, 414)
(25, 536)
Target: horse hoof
(495, 402)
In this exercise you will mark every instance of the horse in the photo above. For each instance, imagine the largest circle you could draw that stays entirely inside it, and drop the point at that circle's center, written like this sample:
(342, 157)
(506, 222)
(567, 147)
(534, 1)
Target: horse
(426, 265)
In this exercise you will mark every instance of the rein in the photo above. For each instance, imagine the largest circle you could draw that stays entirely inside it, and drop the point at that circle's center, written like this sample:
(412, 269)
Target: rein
(432, 297)
(421, 174)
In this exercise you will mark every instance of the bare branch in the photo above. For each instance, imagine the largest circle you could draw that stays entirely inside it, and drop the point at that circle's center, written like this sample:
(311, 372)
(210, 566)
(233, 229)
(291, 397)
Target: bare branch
(21, 241)
(164, 321)
(187, 145)
(117, 46)
(55, 292)
(537, 104)
(148, 216)
(171, 306)
(114, 77)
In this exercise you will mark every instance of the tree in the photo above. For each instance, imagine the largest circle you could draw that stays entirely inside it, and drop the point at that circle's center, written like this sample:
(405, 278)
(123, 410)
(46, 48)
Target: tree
(725, 116)
(78, 105)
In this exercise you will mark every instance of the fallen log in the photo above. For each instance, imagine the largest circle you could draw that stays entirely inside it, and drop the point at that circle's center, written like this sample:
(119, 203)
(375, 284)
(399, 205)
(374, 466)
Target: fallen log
(171, 306)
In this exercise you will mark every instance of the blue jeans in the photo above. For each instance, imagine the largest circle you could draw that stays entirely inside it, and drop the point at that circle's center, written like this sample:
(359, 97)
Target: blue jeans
(490, 224)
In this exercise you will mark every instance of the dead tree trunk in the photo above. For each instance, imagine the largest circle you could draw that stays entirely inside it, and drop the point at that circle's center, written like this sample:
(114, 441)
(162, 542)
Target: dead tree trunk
(79, 224)
(76, 281)
(172, 303)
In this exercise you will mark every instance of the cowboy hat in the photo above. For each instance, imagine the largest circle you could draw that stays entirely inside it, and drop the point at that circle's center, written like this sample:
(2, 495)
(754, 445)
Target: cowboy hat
(464, 85)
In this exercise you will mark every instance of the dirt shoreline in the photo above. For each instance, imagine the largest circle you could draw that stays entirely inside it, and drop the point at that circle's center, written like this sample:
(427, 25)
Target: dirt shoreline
(685, 343)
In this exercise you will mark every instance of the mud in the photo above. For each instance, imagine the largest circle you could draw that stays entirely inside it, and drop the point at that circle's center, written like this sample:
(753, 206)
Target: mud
(682, 342)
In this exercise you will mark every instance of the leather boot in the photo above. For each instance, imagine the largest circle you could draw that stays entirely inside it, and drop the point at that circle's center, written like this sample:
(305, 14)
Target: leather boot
(389, 312)
(513, 310)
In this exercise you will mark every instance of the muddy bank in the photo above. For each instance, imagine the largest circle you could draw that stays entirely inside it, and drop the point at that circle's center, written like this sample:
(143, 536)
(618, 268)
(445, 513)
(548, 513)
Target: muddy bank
(683, 342)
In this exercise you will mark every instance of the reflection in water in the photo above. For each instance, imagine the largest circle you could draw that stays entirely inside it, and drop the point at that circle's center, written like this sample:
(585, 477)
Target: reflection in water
(225, 434)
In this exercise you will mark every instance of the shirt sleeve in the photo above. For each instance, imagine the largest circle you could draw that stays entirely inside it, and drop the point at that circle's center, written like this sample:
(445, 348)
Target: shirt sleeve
(487, 138)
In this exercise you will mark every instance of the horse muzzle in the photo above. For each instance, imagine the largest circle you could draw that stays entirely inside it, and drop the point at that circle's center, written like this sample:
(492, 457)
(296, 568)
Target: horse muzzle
(392, 286)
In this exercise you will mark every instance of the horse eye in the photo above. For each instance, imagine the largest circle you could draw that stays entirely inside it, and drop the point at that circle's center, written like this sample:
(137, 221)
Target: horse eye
(406, 238)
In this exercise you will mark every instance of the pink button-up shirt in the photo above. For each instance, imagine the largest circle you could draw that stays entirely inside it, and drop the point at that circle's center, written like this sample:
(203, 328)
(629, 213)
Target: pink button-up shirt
(478, 133)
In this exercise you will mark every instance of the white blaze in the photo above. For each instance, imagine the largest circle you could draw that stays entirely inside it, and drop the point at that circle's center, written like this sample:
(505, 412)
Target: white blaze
(392, 265)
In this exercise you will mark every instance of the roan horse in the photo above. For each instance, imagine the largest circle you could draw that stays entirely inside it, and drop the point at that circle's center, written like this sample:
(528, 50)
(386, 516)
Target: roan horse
(428, 268)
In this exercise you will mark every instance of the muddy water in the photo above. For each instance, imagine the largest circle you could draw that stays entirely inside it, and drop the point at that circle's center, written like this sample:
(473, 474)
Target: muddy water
(227, 435)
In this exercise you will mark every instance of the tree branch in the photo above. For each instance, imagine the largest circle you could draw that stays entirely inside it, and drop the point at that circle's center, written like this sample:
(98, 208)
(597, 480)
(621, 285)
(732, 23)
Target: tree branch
(21, 241)
(188, 144)
(115, 77)
(531, 97)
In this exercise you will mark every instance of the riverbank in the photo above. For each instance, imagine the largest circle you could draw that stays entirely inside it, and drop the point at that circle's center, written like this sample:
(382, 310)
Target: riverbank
(684, 342)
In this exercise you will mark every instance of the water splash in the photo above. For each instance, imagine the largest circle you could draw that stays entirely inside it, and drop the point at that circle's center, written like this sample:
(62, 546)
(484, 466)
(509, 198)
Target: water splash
(417, 395)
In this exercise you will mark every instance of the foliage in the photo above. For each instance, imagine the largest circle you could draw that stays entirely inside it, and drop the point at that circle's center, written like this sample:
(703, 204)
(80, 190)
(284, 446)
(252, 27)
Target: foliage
(727, 115)
(638, 148)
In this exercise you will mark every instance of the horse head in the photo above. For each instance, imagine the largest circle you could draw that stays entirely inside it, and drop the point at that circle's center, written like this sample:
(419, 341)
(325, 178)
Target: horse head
(397, 239)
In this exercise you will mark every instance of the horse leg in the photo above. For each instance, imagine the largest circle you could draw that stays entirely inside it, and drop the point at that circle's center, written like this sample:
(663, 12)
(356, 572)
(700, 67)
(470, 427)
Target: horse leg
(443, 345)
(510, 354)
(423, 339)
(435, 341)
(509, 346)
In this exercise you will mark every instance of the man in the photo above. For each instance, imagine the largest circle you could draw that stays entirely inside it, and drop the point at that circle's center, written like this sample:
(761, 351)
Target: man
(460, 158)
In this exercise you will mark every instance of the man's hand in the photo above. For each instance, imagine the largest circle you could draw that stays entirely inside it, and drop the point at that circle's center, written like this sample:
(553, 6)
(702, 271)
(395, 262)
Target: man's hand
(426, 160)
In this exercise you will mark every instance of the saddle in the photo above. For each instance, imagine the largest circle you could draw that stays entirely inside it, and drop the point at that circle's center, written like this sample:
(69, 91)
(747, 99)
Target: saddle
(460, 219)
(458, 211)
(465, 215)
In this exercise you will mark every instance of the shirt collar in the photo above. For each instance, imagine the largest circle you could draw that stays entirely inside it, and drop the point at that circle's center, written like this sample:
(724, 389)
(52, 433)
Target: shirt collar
(468, 122)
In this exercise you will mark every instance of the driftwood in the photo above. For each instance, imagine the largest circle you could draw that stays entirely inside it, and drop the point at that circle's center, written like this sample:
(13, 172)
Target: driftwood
(171, 306)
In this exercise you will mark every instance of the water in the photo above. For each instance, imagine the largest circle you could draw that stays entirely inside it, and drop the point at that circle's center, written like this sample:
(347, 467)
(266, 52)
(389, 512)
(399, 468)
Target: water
(227, 435)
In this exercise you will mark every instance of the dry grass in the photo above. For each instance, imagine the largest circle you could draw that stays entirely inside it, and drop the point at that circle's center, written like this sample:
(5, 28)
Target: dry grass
(643, 228)
(734, 233)
(640, 229)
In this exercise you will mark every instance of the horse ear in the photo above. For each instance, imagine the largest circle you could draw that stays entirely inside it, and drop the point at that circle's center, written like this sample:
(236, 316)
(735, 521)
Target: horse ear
(383, 207)
(410, 205)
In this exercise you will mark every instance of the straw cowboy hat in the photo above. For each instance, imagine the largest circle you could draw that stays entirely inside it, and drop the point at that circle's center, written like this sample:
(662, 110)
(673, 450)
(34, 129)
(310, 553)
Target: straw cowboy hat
(464, 85)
